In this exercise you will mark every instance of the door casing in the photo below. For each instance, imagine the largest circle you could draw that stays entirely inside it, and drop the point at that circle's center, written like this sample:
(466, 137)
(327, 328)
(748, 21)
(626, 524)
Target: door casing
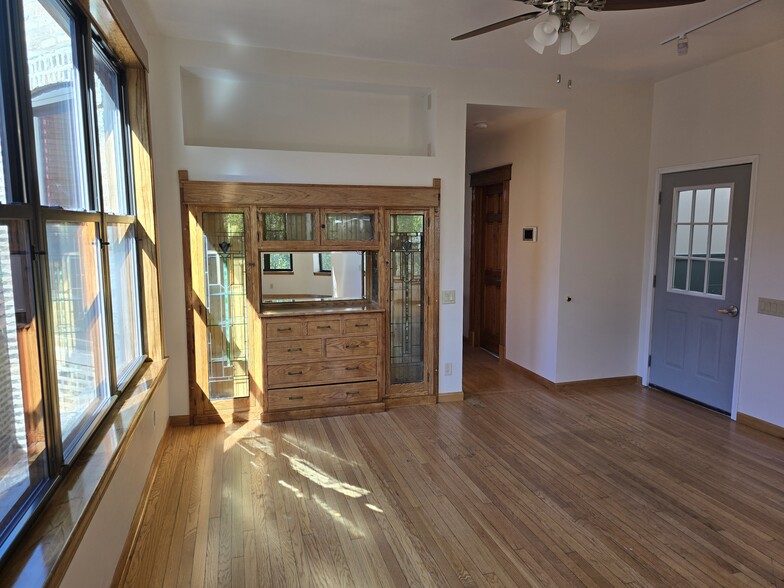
(650, 267)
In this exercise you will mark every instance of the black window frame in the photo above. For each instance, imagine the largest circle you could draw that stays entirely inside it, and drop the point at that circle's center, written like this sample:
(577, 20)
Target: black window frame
(267, 261)
(20, 154)
(321, 262)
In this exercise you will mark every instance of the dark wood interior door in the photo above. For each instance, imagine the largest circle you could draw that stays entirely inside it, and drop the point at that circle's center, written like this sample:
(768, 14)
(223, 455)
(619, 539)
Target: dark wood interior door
(490, 200)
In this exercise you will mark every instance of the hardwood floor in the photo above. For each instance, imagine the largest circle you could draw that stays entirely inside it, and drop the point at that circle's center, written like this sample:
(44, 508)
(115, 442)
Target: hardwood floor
(516, 486)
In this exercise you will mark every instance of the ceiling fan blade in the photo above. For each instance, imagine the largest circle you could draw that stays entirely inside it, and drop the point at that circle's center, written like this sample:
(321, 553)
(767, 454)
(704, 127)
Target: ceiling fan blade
(498, 25)
(640, 4)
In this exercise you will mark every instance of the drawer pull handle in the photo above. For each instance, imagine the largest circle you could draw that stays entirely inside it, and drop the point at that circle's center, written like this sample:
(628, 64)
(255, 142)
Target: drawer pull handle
(299, 373)
(351, 369)
(284, 330)
(323, 327)
(352, 346)
(295, 350)
(352, 393)
(296, 397)
(361, 325)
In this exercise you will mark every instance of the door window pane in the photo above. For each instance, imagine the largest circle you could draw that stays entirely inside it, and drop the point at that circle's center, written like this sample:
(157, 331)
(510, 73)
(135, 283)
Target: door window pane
(227, 309)
(407, 297)
(110, 129)
(697, 277)
(721, 205)
(702, 206)
(682, 235)
(715, 277)
(719, 241)
(125, 296)
(57, 105)
(78, 322)
(684, 206)
(680, 274)
(699, 247)
(22, 441)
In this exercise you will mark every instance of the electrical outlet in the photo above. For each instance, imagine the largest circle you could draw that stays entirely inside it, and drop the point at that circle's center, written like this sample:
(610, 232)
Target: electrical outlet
(448, 296)
(447, 369)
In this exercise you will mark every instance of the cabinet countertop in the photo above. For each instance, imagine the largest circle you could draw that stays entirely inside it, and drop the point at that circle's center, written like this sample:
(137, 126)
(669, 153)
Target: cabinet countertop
(317, 309)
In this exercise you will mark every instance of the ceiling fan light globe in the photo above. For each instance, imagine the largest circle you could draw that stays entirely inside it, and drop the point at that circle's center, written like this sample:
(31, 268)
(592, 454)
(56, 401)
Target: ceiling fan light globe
(535, 45)
(545, 33)
(584, 29)
(568, 44)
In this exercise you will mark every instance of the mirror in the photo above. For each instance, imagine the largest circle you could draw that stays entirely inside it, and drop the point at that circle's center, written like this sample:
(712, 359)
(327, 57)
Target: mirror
(319, 276)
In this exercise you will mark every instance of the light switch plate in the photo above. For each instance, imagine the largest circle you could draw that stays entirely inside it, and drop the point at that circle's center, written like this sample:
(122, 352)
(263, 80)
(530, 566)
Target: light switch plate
(771, 307)
(448, 296)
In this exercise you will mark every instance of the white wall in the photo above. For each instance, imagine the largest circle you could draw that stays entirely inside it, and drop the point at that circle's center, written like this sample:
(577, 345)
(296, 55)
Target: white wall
(536, 151)
(592, 107)
(330, 117)
(726, 110)
(96, 557)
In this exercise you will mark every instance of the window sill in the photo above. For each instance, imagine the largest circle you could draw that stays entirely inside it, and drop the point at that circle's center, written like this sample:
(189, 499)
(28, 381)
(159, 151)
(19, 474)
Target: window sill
(278, 272)
(44, 550)
(322, 273)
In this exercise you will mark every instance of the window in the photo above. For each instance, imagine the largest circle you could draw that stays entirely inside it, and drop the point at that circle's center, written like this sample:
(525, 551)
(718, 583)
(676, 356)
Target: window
(23, 456)
(278, 262)
(701, 231)
(61, 370)
(325, 263)
(57, 104)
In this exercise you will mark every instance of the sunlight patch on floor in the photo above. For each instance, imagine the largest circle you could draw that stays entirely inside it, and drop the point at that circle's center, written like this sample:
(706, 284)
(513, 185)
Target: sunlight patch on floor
(323, 479)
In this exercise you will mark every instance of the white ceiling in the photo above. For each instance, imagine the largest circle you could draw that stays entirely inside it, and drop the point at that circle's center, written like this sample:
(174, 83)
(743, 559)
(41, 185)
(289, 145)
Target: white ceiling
(419, 31)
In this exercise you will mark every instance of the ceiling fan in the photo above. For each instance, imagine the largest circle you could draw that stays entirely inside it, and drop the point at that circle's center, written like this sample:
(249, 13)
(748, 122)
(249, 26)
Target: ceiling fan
(565, 23)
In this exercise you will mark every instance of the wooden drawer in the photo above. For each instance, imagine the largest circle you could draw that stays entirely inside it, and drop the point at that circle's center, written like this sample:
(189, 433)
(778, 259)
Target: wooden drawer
(360, 325)
(284, 330)
(322, 327)
(342, 370)
(295, 350)
(316, 396)
(352, 347)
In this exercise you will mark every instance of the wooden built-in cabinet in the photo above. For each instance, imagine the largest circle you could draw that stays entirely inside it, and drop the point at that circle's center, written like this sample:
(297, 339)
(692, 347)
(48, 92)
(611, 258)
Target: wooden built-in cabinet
(273, 355)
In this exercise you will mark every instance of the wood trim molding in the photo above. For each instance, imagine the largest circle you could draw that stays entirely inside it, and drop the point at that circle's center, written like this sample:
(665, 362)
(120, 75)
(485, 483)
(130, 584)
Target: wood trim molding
(450, 397)
(616, 381)
(133, 533)
(313, 195)
(760, 425)
(552, 386)
(488, 177)
(559, 386)
(179, 420)
(61, 525)
(117, 28)
(410, 401)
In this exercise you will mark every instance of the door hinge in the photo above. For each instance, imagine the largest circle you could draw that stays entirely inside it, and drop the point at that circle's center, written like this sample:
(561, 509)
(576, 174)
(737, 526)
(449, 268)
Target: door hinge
(660, 197)
(654, 280)
(649, 361)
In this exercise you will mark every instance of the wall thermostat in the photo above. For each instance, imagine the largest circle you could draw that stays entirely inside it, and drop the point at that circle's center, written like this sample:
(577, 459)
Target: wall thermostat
(530, 233)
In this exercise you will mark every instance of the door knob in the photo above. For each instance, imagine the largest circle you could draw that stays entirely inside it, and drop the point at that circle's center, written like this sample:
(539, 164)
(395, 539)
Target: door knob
(730, 311)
